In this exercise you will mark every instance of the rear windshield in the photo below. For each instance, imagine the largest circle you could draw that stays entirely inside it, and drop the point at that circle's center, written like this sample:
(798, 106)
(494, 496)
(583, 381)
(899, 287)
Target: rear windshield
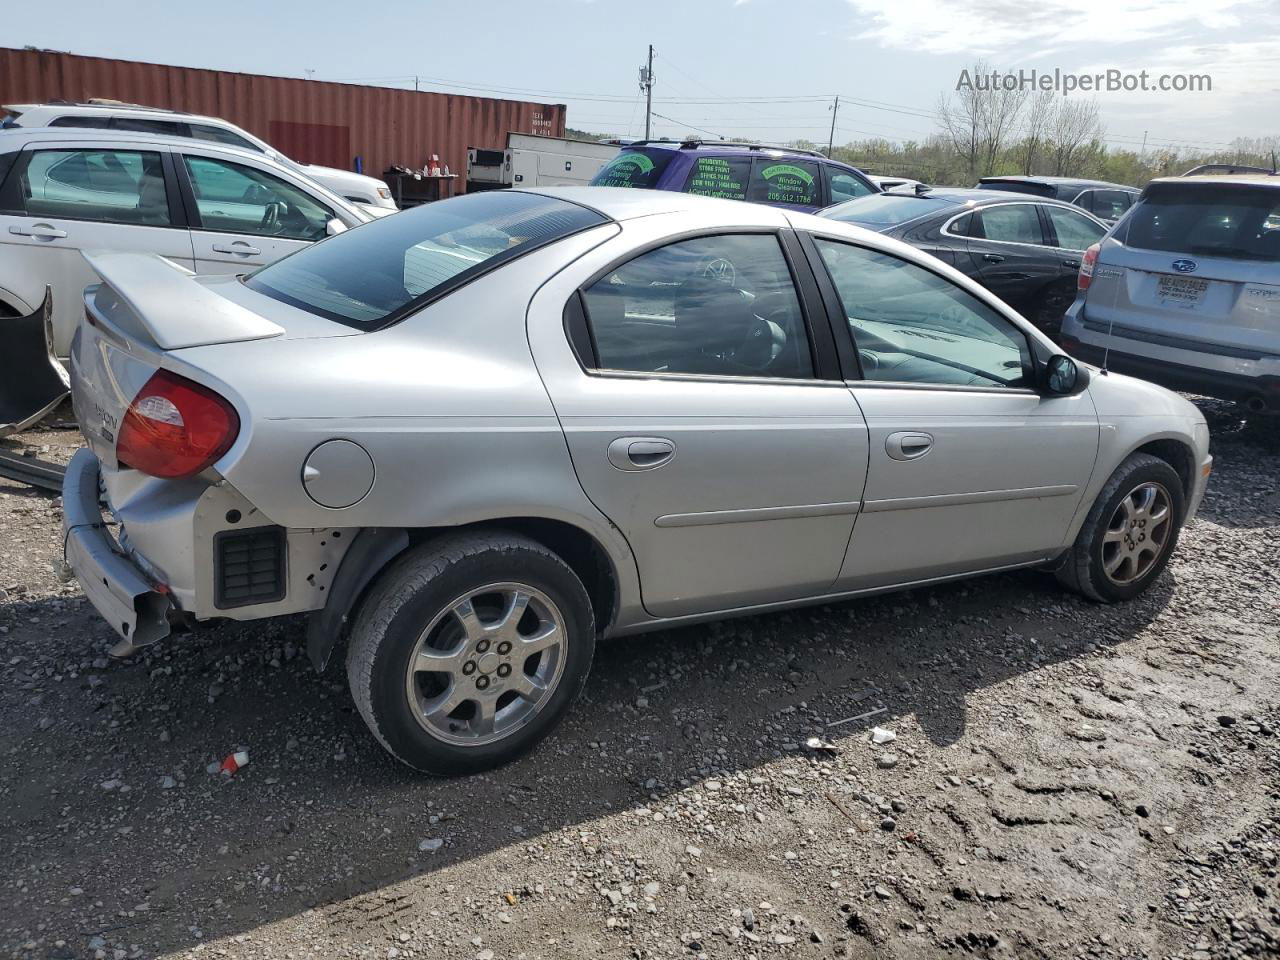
(885, 209)
(634, 168)
(377, 273)
(10, 120)
(1020, 186)
(1212, 220)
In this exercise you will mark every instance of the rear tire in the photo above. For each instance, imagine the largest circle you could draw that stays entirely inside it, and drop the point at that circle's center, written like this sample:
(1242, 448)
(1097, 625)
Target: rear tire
(469, 651)
(1050, 306)
(1129, 534)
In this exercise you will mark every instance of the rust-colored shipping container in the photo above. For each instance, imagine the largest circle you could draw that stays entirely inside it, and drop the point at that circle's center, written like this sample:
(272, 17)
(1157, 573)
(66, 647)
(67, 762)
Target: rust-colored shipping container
(312, 121)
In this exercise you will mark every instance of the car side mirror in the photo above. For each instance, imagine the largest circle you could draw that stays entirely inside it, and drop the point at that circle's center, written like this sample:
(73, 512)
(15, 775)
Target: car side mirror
(334, 227)
(1063, 377)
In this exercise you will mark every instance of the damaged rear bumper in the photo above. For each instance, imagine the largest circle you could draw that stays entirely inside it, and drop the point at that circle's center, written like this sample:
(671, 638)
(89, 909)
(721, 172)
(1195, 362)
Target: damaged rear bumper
(32, 382)
(114, 585)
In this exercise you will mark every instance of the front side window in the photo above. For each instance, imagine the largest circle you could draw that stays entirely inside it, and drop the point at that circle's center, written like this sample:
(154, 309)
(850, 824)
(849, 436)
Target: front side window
(724, 177)
(1075, 231)
(114, 186)
(785, 181)
(233, 198)
(1014, 223)
(370, 277)
(723, 305)
(912, 326)
(845, 186)
(640, 167)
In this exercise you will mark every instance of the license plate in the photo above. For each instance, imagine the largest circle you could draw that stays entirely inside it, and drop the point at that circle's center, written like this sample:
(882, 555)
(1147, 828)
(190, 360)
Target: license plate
(1185, 292)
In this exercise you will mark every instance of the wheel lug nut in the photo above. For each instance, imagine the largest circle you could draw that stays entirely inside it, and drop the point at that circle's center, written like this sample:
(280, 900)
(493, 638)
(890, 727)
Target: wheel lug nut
(469, 667)
(504, 647)
(482, 682)
(482, 646)
(504, 670)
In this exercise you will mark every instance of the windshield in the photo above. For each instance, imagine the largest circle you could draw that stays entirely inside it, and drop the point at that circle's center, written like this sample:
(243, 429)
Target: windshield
(1211, 220)
(884, 210)
(634, 168)
(375, 275)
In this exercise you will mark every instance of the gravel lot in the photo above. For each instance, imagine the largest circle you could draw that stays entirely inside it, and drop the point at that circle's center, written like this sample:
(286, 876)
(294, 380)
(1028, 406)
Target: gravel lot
(1067, 780)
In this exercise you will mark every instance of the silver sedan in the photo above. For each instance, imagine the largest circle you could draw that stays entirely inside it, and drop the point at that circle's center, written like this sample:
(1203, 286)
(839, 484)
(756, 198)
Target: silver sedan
(470, 440)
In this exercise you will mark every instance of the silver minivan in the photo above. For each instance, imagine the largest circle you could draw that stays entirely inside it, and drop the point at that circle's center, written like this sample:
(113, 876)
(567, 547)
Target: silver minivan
(1185, 290)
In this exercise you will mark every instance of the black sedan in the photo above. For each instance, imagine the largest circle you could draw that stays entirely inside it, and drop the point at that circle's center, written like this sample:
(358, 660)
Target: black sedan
(1024, 249)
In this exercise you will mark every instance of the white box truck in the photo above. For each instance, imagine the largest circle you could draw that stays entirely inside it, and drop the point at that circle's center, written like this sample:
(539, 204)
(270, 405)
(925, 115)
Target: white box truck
(533, 161)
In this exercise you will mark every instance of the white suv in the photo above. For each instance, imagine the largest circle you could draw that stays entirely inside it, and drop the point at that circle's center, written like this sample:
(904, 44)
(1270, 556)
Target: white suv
(354, 187)
(208, 207)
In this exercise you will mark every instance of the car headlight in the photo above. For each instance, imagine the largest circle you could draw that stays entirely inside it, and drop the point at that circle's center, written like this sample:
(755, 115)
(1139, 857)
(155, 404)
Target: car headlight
(384, 193)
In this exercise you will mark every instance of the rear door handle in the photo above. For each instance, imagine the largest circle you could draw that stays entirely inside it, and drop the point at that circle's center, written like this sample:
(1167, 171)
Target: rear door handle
(1073, 264)
(907, 445)
(993, 258)
(239, 246)
(41, 231)
(640, 453)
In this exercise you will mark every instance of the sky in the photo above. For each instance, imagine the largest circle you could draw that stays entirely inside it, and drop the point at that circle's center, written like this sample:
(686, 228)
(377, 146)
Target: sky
(758, 69)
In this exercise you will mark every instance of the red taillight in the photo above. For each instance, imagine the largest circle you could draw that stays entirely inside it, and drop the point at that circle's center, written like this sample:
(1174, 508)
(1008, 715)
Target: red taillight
(1087, 262)
(175, 427)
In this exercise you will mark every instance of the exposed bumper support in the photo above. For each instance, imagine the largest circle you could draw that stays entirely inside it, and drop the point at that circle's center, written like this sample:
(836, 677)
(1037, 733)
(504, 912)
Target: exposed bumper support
(113, 584)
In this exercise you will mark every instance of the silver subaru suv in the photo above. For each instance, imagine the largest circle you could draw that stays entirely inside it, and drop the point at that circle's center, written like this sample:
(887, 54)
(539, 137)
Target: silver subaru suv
(1185, 290)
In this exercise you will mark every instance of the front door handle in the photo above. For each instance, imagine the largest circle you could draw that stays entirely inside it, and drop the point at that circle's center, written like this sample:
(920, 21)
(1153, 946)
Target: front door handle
(908, 446)
(239, 246)
(41, 231)
(641, 453)
(993, 258)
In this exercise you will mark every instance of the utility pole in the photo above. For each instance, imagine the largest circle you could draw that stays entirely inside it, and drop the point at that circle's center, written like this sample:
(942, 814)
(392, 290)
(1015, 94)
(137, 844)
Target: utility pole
(415, 84)
(831, 141)
(646, 84)
(1144, 144)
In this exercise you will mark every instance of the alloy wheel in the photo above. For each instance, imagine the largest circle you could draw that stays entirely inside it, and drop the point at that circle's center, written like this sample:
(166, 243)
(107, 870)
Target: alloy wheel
(1137, 534)
(486, 664)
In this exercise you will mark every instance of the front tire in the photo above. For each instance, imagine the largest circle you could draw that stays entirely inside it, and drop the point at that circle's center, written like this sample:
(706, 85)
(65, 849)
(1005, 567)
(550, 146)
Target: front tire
(1130, 533)
(469, 650)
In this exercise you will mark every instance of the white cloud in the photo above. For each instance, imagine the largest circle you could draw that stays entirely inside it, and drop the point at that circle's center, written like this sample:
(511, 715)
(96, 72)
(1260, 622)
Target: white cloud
(988, 27)
(1231, 40)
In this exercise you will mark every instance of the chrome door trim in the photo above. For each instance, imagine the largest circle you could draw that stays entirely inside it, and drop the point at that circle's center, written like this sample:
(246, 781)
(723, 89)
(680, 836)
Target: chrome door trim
(942, 387)
(957, 499)
(754, 514)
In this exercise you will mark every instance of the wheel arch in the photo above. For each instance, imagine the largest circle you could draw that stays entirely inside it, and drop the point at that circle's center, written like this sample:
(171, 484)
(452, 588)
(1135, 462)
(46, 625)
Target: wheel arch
(1178, 454)
(374, 549)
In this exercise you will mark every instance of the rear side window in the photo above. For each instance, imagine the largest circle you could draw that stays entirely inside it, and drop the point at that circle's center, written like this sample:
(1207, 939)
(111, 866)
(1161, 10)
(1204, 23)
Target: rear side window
(376, 275)
(724, 177)
(113, 186)
(634, 168)
(1211, 220)
(785, 181)
(1014, 223)
(100, 123)
(719, 306)
(205, 131)
(166, 128)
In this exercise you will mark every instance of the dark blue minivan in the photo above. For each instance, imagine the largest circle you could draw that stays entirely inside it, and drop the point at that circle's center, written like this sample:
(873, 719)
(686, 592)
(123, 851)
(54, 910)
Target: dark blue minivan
(779, 176)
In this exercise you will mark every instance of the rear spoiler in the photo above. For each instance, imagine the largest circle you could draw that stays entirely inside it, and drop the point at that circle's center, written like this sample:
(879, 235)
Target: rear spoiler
(176, 310)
